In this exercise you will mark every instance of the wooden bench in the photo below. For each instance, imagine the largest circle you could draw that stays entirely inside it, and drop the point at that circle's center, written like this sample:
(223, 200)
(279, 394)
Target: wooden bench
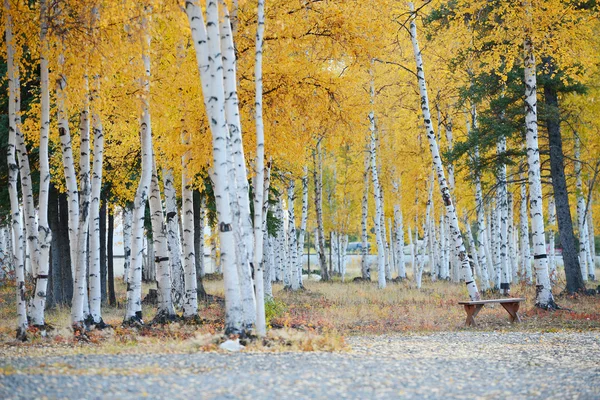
(472, 308)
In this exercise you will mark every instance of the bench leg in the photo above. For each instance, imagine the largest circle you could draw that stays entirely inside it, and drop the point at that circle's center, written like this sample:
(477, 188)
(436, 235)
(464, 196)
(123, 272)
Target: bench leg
(472, 310)
(512, 309)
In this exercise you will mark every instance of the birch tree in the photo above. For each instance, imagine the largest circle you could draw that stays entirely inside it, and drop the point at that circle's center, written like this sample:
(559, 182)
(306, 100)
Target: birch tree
(437, 161)
(13, 176)
(260, 231)
(544, 298)
(133, 314)
(206, 39)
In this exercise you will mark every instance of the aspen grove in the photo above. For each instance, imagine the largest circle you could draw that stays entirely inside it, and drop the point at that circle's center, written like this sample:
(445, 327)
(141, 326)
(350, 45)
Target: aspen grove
(454, 141)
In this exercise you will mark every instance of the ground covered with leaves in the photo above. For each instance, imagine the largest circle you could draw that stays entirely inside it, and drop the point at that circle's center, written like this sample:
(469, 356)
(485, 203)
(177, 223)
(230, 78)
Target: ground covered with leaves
(317, 318)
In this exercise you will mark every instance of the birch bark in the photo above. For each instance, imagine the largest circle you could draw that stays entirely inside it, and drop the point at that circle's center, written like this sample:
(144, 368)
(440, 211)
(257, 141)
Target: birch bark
(377, 190)
(94, 273)
(177, 285)
(524, 232)
(292, 240)
(320, 239)
(544, 298)
(502, 206)
(433, 146)
(260, 225)
(134, 287)
(365, 268)
(127, 226)
(165, 311)
(581, 222)
(13, 176)
(592, 240)
(206, 40)
(190, 298)
(399, 241)
(303, 222)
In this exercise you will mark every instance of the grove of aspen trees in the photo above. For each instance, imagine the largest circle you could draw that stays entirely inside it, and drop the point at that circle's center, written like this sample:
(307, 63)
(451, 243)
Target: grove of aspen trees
(451, 141)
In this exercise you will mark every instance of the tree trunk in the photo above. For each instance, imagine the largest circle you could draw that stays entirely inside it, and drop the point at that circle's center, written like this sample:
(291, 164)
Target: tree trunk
(365, 269)
(292, 240)
(303, 221)
(592, 237)
(172, 227)
(13, 176)
(259, 202)
(502, 207)
(524, 230)
(544, 298)
(437, 161)
(134, 286)
(190, 299)
(399, 223)
(96, 215)
(103, 267)
(165, 311)
(208, 53)
(112, 298)
(551, 240)
(318, 180)
(561, 195)
(127, 216)
(199, 207)
(377, 190)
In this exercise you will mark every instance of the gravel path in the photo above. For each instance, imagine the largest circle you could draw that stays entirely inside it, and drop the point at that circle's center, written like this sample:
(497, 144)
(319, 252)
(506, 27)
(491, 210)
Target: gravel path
(442, 365)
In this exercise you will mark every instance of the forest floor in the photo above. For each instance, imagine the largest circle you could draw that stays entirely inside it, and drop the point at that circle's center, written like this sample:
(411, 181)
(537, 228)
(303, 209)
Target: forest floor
(341, 339)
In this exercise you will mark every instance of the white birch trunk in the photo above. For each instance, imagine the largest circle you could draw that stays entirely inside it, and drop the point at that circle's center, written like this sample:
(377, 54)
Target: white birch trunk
(292, 240)
(13, 176)
(320, 236)
(44, 234)
(165, 311)
(474, 254)
(377, 191)
(190, 298)
(592, 240)
(412, 251)
(94, 273)
(544, 298)
(303, 222)
(134, 286)
(78, 217)
(581, 223)
(260, 224)
(36, 309)
(239, 189)
(177, 274)
(206, 39)
(512, 252)
(399, 241)
(365, 269)
(127, 226)
(503, 215)
(28, 209)
(437, 161)
(524, 233)
(450, 139)
(232, 113)
(444, 245)
(426, 233)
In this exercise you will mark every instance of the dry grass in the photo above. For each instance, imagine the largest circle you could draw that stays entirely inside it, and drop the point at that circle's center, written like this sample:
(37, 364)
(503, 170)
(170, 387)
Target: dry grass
(317, 318)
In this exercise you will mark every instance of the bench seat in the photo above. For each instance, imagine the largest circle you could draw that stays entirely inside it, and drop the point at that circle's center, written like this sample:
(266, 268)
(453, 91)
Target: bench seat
(511, 305)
